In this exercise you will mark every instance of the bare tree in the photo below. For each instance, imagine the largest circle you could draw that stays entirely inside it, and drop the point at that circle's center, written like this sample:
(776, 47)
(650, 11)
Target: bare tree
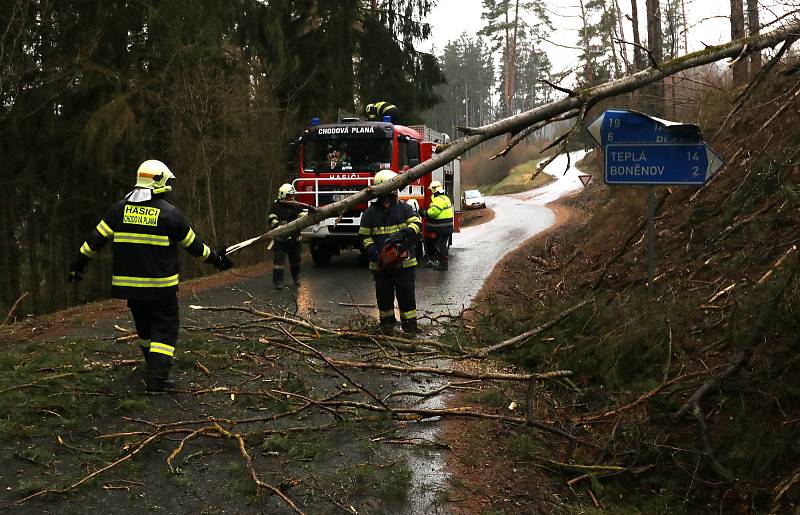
(638, 54)
(511, 59)
(753, 27)
(588, 72)
(621, 35)
(737, 31)
(655, 45)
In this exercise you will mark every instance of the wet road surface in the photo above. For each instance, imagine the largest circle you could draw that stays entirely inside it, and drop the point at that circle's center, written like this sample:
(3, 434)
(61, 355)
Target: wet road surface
(325, 292)
(473, 255)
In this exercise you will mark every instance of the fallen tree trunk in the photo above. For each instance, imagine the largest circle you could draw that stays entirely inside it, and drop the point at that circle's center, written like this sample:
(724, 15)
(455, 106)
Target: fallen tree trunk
(580, 99)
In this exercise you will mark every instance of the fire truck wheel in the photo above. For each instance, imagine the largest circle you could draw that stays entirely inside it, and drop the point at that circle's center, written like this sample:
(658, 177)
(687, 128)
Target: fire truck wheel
(321, 254)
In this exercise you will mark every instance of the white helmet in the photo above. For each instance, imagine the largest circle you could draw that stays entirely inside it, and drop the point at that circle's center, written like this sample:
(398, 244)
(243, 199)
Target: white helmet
(286, 189)
(436, 187)
(153, 175)
(384, 176)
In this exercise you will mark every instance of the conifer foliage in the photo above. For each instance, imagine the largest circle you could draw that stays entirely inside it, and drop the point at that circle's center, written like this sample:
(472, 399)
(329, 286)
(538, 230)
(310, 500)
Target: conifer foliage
(89, 89)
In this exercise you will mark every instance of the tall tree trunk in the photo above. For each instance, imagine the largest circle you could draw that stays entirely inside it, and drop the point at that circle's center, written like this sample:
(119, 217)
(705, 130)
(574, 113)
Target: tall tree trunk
(611, 37)
(9, 255)
(589, 75)
(655, 44)
(621, 36)
(511, 77)
(737, 32)
(638, 54)
(33, 255)
(753, 28)
(685, 28)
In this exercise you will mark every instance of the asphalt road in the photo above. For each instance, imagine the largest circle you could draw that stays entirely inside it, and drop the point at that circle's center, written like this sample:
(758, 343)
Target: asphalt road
(326, 291)
(327, 294)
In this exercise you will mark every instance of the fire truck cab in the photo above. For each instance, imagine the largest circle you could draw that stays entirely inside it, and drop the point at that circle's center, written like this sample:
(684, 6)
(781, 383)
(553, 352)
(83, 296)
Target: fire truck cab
(333, 161)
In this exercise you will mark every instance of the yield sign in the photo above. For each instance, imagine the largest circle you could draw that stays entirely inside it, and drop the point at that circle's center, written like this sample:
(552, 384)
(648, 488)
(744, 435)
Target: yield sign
(585, 179)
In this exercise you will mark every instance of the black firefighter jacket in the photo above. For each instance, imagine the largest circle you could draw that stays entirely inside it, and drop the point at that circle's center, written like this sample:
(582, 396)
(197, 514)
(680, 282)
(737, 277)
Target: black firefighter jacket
(146, 236)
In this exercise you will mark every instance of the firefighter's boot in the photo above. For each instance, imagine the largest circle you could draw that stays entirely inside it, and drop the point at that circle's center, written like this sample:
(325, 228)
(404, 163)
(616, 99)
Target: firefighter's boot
(388, 326)
(277, 278)
(410, 326)
(442, 264)
(158, 376)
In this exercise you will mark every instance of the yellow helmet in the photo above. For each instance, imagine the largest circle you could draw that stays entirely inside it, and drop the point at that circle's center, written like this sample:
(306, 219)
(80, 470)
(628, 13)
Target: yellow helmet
(436, 187)
(286, 189)
(383, 176)
(153, 175)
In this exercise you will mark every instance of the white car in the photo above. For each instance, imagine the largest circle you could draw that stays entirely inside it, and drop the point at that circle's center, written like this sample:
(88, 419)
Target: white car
(473, 199)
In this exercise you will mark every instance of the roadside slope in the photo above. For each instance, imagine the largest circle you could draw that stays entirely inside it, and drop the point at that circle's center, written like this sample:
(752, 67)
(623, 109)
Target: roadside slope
(675, 392)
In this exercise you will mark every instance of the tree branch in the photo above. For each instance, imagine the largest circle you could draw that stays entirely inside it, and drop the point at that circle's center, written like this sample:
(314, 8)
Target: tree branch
(545, 112)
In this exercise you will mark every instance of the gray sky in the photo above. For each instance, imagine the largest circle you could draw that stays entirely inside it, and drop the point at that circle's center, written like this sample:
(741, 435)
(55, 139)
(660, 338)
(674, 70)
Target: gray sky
(707, 20)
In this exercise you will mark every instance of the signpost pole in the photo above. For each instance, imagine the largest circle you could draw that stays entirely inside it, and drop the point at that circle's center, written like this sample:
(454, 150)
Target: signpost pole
(651, 237)
(640, 149)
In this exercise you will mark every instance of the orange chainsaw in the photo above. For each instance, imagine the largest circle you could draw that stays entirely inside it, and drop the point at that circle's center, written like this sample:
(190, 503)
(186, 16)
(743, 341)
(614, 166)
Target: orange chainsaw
(391, 255)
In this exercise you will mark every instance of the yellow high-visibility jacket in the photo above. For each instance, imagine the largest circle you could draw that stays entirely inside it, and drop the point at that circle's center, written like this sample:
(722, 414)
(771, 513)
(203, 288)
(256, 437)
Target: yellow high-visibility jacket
(440, 214)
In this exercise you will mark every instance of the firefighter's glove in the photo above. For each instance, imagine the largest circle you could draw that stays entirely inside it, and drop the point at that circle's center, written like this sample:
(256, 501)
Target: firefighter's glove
(302, 213)
(396, 238)
(77, 268)
(408, 233)
(423, 213)
(372, 253)
(219, 260)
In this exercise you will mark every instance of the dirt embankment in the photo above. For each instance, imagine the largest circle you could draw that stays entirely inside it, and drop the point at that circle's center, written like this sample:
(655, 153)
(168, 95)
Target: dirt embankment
(674, 390)
(487, 472)
(474, 217)
(503, 284)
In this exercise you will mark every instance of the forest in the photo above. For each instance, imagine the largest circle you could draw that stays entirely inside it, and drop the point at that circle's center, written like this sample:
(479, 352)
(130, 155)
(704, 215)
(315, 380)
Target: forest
(216, 89)
(553, 372)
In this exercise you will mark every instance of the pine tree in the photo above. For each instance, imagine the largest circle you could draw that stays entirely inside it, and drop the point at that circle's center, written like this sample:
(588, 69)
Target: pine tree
(505, 30)
(596, 38)
(467, 97)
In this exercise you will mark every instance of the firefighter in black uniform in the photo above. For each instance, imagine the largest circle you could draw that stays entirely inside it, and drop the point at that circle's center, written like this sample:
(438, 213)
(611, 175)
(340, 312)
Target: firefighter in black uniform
(389, 232)
(146, 231)
(378, 110)
(285, 210)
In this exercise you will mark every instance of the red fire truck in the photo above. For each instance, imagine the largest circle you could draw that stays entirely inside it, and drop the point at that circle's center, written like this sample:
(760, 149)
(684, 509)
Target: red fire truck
(333, 161)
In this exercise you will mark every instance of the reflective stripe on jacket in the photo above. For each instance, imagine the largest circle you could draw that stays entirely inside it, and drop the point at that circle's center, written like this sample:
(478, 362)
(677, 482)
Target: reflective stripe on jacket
(440, 214)
(146, 236)
(281, 213)
(378, 223)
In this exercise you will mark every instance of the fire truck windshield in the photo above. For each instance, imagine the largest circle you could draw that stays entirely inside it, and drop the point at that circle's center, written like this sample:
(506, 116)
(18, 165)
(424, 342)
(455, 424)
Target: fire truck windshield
(362, 154)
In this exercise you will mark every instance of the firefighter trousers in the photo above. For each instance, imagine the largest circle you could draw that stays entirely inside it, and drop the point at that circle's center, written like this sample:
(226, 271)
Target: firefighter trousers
(396, 282)
(442, 249)
(289, 248)
(157, 323)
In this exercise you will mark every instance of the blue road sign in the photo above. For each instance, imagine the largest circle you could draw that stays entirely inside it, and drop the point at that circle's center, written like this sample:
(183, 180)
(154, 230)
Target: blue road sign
(659, 163)
(641, 149)
(622, 126)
